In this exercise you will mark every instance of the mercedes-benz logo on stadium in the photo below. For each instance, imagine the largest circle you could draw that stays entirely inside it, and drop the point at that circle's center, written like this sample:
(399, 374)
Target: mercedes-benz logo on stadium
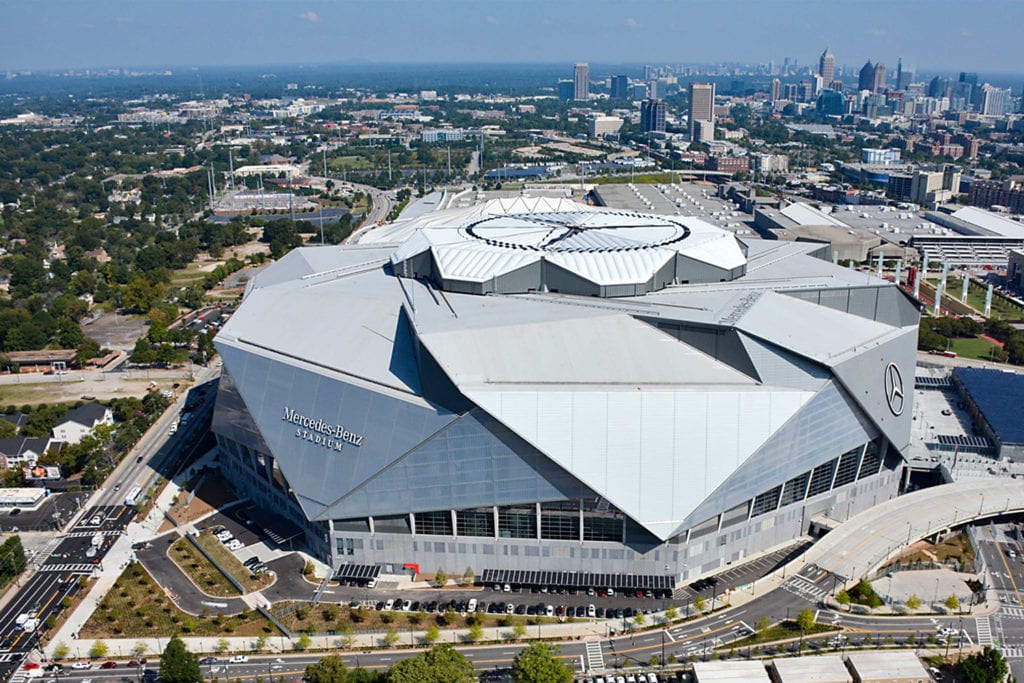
(894, 389)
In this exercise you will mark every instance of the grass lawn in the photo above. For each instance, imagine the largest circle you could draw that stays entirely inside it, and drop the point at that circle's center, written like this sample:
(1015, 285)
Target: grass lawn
(342, 619)
(203, 574)
(974, 347)
(231, 564)
(136, 607)
(782, 631)
(1002, 308)
(350, 162)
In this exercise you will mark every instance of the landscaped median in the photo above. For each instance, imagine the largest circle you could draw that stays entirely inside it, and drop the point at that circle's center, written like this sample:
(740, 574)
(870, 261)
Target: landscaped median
(232, 565)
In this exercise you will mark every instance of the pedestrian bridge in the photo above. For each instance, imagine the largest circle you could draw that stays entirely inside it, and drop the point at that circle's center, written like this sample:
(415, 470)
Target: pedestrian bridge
(867, 540)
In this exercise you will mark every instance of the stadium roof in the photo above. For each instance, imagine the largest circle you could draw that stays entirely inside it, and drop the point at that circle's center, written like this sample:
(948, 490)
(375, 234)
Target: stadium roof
(989, 223)
(999, 396)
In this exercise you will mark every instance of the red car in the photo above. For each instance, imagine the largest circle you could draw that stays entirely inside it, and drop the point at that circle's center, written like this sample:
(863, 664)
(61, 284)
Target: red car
(136, 663)
(108, 665)
(30, 665)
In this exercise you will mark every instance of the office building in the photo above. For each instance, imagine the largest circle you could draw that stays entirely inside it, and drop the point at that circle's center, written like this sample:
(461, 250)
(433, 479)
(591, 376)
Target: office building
(581, 82)
(827, 68)
(600, 126)
(776, 92)
(935, 187)
(634, 394)
(638, 91)
(904, 76)
(993, 101)
(702, 108)
(652, 116)
(866, 77)
(831, 103)
(878, 85)
(620, 87)
(566, 90)
(881, 157)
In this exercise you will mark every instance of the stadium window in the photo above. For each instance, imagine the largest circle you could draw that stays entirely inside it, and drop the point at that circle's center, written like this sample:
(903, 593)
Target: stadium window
(766, 502)
(478, 522)
(437, 523)
(821, 478)
(872, 461)
(794, 489)
(602, 528)
(848, 464)
(517, 522)
(394, 524)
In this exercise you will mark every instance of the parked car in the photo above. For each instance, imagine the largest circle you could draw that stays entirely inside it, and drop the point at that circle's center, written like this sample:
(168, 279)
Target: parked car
(208, 660)
(238, 659)
(82, 665)
(234, 544)
(108, 665)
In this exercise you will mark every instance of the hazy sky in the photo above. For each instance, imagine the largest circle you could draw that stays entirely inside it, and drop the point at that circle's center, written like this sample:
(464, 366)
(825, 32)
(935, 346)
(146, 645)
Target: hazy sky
(978, 35)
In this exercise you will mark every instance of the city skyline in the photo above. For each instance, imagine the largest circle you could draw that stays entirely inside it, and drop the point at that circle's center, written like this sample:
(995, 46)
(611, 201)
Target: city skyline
(932, 36)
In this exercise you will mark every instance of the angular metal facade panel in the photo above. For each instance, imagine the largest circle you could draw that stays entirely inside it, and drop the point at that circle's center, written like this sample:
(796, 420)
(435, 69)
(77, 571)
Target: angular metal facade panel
(324, 468)
(474, 462)
(827, 426)
(778, 367)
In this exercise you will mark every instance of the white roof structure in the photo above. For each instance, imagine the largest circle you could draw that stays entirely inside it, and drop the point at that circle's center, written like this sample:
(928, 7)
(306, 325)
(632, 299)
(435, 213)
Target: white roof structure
(812, 669)
(805, 214)
(875, 667)
(989, 222)
(603, 247)
(730, 672)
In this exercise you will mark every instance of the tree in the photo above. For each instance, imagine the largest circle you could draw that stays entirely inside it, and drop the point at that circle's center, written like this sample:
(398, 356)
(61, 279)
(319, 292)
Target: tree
(805, 620)
(222, 645)
(139, 649)
(330, 669)
(61, 650)
(671, 613)
(99, 649)
(391, 637)
(952, 602)
(432, 634)
(763, 623)
(475, 633)
(178, 665)
(987, 666)
(440, 578)
(843, 598)
(913, 602)
(469, 575)
(538, 663)
(260, 644)
(639, 618)
(440, 664)
(700, 604)
(303, 642)
(519, 630)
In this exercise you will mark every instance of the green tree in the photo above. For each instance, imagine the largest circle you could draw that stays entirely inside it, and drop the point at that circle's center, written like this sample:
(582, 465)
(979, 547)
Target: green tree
(303, 642)
(440, 578)
(178, 665)
(519, 630)
(913, 602)
(391, 637)
(987, 666)
(139, 649)
(432, 634)
(805, 620)
(671, 613)
(952, 602)
(260, 644)
(475, 633)
(222, 645)
(639, 619)
(843, 598)
(538, 663)
(440, 664)
(61, 650)
(330, 669)
(763, 623)
(99, 649)
(700, 604)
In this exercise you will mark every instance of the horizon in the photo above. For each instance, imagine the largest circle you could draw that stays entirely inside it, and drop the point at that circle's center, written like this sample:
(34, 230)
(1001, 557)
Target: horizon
(932, 37)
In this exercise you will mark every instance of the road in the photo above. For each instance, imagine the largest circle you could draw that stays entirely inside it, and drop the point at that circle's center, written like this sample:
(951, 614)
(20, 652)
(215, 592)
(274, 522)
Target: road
(83, 548)
(1007, 577)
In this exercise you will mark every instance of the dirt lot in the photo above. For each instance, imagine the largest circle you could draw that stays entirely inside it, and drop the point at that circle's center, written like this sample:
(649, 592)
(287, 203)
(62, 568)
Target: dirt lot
(212, 494)
(116, 331)
(33, 389)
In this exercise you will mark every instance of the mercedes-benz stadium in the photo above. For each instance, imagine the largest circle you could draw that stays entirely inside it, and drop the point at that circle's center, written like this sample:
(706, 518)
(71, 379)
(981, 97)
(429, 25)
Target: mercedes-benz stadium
(539, 384)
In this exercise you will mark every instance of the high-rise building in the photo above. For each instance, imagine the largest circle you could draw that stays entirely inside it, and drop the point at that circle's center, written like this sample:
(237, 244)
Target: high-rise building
(994, 101)
(879, 81)
(566, 90)
(968, 77)
(867, 77)
(581, 82)
(652, 115)
(702, 107)
(776, 90)
(938, 86)
(620, 87)
(638, 91)
(903, 76)
(831, 103)
(827, 67)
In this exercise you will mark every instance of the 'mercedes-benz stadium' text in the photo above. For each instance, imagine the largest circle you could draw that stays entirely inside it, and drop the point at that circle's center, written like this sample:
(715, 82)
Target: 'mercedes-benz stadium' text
(321, 432)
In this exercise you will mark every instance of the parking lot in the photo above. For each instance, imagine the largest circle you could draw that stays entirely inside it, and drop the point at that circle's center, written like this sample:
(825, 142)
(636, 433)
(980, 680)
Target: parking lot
(54, 511)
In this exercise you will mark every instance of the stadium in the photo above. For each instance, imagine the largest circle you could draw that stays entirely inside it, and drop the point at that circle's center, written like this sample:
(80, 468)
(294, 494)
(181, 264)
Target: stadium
(536, 384)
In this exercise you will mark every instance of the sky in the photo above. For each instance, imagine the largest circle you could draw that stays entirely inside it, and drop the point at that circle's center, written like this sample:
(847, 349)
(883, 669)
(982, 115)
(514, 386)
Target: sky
(931, 35)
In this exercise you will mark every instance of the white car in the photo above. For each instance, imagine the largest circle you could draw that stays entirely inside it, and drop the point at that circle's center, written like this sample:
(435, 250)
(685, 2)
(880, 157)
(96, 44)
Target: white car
(234, 544)
(389, 605)
(238, 659)
(549, 611)
(224, 536)
(82, 665)
(472, 605)
(591, 611)
(510, 608)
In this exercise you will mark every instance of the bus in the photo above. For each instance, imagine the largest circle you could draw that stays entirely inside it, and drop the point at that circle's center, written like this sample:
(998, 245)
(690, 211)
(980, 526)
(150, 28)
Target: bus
(132, 496)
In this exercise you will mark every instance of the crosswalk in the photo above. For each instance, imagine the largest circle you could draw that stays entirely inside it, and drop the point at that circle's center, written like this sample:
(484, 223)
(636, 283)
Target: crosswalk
(90, 534)
(595, 657)
(1012, 652)
(798, 585)
(1012, 612)
(984, 628)
(75, 568)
